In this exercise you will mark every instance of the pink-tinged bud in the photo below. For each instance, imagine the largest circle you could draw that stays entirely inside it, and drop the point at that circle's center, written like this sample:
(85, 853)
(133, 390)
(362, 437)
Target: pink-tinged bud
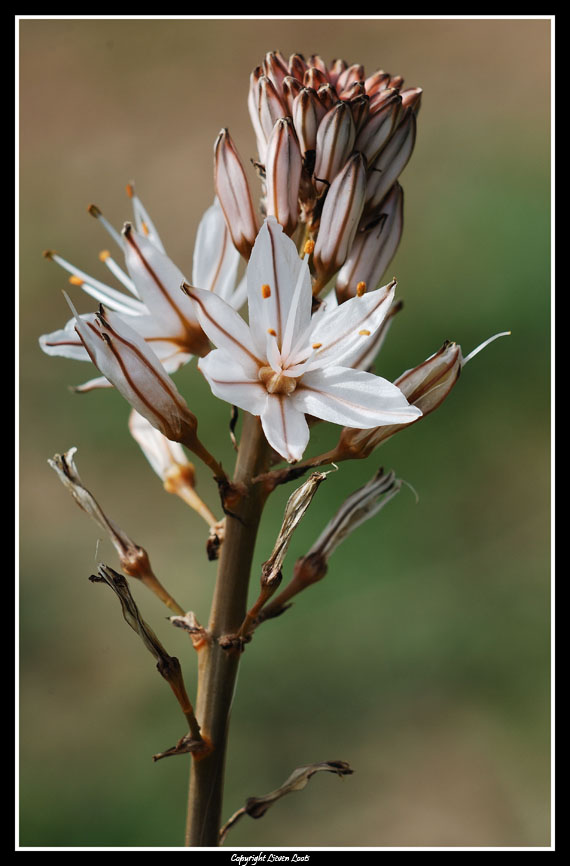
(314, 78)
(350, 74)
(360, 108)
(297, 66)
(316, 61)
(327, 95)
(308, 111)
(123, 356)
(376, 132)
(374, 247)
(339, 219)
(291, 89)
(336, 69)
(275, 67)
(380, 97)
(233, 193)
(283, 165)
(391, 161)
(377, 82)
(425, 386)
(335, 139)
(271, 106)
(253, 108)
(411, 99)
(354, 91)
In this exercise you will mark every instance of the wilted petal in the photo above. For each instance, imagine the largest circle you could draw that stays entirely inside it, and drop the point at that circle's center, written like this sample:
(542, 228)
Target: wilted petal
(285, 427)
(352, 397)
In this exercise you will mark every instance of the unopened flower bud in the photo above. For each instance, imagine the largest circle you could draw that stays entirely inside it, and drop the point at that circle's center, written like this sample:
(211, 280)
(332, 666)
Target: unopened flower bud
(391, 161)
(360, 108)
(339, 218)
(283, 165)
(336, 69)
(327, 95)
(376, 132)
(411, 99)
(335, 139)
(314, 78)
(376, 82)
(374, 246)
(297, 66)
(308, 111)
(291, 89)
(275, 68)
(234, 195)
(271, 106)
(350, 75)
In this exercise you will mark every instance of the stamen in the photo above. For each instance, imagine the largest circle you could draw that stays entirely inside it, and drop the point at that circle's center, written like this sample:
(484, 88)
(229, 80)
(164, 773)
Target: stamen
(316, 345)
(100, 291)
(272, 332)
(104, 255)
(144, 227)
(484, 344)
(309, 247)
(364, 333)
(265, 291)
(108, 260)
(96, 213)
(360, 288)
(75, 281)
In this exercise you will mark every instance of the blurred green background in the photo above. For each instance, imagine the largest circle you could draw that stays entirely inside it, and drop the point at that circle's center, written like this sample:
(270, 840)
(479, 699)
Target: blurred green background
(423, 658)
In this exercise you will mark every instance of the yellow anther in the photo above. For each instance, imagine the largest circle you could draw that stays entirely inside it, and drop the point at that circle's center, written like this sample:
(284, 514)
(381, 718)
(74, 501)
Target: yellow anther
(104, 255)
(364, 333)
(75, 281)
(144, 227)
(309, 247)
(130, 190)
(317, 345)
(265, 291)
(360, 288)
(272, 332)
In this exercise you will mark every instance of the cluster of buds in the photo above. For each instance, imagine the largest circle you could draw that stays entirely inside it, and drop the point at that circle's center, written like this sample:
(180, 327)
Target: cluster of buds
(331, 145)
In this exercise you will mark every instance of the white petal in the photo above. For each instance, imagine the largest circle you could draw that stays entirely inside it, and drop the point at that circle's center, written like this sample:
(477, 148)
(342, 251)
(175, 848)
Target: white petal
(344, 330)
(285, 427)
(231, 383)
(238, 298)
(215, 257)
(158, 282)
(65, 342)
(272, 274)
(352, 398)
(226, 329)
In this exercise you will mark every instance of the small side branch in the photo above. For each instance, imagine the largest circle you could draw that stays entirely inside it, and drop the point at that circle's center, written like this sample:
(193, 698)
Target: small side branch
(256, 807)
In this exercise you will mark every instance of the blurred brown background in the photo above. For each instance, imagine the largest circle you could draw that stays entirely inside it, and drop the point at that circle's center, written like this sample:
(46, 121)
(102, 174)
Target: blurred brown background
(423, 658)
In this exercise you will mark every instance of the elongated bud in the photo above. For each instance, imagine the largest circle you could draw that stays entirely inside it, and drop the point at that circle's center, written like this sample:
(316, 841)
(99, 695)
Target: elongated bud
(335, 139)
(376, 82)
(327, 95)
(317, 62)
(425, 386)
(126, 360)
(360, 108)
(291, 89)
(376, 132)
(297, 66)
(271, 106)
(339, 218)
(374, 246)
(275, 68)
(253, 108)
(349, 76)
(308, 111)
(390, 163)
(283, 165)
(234, 195)
(336, 69)
(315, 78)
(411, 100)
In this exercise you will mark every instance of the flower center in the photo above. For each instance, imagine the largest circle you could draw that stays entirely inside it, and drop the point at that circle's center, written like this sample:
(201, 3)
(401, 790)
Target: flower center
(277, 383)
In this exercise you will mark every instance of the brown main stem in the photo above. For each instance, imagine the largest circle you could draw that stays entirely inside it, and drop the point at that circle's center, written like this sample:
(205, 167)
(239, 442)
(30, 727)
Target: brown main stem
(217, 667)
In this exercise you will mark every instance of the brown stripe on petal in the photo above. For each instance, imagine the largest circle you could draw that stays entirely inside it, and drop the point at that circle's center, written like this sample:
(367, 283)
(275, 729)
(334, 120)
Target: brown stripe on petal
(188, 291)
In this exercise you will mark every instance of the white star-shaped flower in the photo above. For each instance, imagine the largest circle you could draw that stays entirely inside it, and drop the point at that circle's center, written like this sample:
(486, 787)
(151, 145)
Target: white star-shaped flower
(288, 363)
